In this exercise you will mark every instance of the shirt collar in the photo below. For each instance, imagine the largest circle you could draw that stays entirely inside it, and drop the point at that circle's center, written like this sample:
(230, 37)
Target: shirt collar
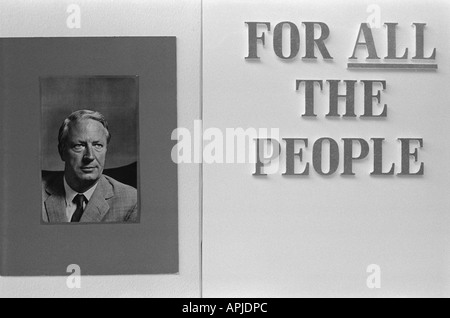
(71, 194)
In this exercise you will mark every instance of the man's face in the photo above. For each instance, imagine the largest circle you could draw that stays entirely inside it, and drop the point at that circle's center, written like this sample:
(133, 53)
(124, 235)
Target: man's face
(85, 153)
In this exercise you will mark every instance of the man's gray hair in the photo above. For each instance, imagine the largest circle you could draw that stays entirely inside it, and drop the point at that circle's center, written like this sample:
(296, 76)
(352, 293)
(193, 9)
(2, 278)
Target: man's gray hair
(75, 117)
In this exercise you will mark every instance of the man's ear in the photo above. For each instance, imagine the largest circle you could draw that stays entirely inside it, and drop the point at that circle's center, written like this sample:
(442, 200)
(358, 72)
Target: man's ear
(61, 151)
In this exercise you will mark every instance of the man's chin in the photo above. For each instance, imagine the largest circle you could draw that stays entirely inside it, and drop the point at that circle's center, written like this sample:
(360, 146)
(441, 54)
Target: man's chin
(89, 177)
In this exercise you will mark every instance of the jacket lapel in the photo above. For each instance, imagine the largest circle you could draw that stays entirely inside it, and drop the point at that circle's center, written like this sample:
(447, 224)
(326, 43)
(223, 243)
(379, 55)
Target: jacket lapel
(98, 207)
(55, 204)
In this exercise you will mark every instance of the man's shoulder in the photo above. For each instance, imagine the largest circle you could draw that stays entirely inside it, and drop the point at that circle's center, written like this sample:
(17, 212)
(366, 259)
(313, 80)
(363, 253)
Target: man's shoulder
(121, 189)
(122, 200)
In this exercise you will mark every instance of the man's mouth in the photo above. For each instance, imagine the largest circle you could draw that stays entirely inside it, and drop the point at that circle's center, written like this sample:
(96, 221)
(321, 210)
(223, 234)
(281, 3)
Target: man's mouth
(88, 169)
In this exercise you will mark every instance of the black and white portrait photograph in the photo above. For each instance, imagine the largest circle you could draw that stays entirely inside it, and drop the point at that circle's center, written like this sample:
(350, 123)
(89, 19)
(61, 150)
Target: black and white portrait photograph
(90, 161)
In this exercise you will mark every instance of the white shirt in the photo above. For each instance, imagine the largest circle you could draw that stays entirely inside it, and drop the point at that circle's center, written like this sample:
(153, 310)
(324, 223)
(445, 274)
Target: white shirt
(71, 194)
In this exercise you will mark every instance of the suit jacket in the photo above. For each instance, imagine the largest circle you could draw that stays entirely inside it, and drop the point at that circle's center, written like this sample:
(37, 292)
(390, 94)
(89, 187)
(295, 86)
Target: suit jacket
(111, 201)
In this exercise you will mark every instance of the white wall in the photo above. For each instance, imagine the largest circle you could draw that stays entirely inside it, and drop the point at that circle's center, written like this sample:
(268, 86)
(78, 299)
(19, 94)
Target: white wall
(315, 236)
(180, 18)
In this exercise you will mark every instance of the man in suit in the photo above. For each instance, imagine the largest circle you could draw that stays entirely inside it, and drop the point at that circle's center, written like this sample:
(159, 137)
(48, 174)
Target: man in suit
(82, 194)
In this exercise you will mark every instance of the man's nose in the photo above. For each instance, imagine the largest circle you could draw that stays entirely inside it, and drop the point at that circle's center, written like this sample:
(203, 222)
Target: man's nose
(89, 153)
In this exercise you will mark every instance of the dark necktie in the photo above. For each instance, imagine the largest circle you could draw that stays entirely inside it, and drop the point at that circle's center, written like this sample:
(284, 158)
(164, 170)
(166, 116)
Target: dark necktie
(78, 200)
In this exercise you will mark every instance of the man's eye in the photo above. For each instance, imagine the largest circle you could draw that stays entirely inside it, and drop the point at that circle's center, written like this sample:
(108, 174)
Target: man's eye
(98, 146)
(78, 147)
